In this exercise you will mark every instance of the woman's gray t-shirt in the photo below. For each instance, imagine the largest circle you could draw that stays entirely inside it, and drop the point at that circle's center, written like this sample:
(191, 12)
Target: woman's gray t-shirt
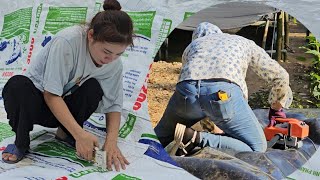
(66, 59)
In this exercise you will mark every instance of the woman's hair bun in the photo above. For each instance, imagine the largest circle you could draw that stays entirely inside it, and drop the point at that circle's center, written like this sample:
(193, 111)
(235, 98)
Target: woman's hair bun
(111, 5)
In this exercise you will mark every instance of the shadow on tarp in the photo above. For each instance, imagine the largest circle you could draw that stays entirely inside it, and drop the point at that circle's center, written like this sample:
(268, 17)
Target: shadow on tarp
(210, 163)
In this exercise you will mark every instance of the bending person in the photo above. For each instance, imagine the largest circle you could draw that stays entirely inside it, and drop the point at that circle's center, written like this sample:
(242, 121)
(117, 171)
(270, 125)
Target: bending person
(212, 84)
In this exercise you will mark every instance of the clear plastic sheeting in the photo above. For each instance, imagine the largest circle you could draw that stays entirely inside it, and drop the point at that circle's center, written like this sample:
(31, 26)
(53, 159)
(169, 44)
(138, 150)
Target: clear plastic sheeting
(230, 15)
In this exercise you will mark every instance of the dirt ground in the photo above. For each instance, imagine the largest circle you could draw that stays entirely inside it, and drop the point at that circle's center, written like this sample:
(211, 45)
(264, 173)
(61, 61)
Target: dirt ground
(164, 75)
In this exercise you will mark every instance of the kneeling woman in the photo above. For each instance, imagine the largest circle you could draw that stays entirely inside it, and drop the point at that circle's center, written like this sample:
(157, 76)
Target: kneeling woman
(77, 73)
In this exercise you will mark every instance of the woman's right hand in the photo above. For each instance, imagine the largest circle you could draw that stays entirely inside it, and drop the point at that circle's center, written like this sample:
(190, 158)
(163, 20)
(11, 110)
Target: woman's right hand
(85, 144)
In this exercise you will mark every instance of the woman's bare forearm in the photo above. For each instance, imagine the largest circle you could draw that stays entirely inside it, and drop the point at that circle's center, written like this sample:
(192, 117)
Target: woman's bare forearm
(113, 124)
(61, 111)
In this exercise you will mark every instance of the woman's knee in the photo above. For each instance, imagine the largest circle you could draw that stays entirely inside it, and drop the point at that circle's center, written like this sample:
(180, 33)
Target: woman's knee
(16, 84)
(92, 88)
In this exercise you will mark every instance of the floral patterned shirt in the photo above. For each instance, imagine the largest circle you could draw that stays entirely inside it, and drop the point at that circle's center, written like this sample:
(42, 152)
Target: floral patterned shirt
(213, 54)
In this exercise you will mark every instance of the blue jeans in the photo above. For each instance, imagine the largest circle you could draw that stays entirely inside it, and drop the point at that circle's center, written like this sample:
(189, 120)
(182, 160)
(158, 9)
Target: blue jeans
(194, 100)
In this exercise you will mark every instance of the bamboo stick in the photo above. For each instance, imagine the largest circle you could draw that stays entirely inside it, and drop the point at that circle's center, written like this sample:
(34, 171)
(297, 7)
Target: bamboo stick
(286, 34)
(264, 40)
(279, 36)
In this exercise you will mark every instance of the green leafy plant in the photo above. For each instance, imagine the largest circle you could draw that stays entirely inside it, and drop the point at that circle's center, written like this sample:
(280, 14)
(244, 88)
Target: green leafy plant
(260, 100)
(313, 49)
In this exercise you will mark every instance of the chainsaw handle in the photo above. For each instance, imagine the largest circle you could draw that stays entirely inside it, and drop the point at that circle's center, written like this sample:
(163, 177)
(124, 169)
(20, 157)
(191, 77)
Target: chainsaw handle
(276, 120)
(284, 120)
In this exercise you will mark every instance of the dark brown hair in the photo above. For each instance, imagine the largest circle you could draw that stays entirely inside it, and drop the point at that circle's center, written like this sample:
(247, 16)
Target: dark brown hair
(111, 5)
(112, 24)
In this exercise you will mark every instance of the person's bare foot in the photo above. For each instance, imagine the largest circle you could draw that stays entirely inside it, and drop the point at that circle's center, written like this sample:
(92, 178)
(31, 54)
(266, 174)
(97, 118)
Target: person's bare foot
(9, 157)
(217, 130)
(210, 126)
(12, 154)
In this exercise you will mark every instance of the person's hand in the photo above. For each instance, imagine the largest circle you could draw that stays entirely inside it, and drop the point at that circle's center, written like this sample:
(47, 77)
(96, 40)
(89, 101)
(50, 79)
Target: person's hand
(275, 114)
(114, 156)
(85, 144)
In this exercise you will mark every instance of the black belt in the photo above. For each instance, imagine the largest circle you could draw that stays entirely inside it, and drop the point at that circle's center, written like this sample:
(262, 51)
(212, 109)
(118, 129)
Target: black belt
(213, 80)
(218, 80)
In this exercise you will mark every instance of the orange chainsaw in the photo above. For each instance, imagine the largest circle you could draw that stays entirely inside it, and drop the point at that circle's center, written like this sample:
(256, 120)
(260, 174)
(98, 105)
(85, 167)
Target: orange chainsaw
(288, 132)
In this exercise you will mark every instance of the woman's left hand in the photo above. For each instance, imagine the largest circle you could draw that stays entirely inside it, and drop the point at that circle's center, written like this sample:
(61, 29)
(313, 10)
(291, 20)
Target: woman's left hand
(114, 156)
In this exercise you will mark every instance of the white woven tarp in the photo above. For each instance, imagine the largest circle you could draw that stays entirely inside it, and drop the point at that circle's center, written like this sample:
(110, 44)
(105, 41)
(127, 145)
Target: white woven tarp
(26, 26)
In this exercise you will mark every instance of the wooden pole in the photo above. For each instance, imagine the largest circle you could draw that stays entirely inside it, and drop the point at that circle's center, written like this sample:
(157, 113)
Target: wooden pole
(274, 36)
(166, 41)
(160, 54)
(264, 40)
(307, 34)
(282, 35)
(279, 36)
(286, 35)
(163, 51)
